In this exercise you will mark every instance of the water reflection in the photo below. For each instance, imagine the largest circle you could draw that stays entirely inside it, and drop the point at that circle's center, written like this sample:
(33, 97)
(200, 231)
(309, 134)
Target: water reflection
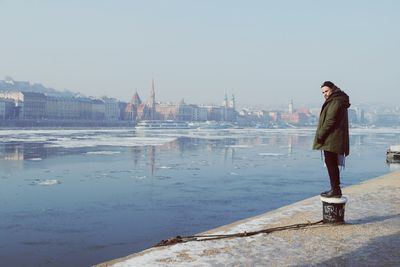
(23, 151)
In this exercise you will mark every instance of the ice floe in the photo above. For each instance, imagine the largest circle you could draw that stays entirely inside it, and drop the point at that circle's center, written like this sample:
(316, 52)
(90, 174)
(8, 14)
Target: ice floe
(35, 159)
(238, 146)
(83, 138)
(46, 182)
(103, 152)
(165, 167)
(271, 154)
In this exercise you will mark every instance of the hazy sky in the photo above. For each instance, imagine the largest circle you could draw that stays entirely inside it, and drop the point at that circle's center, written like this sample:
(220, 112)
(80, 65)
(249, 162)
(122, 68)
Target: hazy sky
(265, 52)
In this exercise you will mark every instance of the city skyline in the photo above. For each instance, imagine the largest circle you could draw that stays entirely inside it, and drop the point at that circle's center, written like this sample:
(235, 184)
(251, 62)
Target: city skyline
(146, 94)
(263, 52)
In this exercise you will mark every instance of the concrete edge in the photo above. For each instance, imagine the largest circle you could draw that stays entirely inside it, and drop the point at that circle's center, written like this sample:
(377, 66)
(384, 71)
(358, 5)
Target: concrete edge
(347, 190)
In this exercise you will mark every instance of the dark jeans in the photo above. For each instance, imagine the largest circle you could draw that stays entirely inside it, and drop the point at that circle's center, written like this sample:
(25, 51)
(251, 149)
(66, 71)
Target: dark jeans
(331, 161)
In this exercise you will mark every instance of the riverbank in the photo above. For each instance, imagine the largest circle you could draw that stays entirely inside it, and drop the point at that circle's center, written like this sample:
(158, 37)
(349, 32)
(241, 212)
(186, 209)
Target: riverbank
(45, 124)
(369, 237)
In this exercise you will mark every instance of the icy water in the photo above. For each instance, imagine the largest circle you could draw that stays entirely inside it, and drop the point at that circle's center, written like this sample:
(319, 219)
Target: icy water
(81, 197)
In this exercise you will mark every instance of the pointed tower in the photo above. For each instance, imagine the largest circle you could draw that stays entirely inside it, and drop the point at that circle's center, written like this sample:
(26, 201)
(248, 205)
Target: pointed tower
(136, 99)
(131, 110)
(152, 101)
(291, 107)
(233, 103)
(225, 103)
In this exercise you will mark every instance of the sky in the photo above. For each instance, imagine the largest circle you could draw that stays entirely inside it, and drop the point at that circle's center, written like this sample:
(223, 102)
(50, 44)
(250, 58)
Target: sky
(264, 52)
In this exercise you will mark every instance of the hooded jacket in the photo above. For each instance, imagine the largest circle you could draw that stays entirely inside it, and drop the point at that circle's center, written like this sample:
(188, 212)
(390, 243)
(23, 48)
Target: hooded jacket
(333, 127)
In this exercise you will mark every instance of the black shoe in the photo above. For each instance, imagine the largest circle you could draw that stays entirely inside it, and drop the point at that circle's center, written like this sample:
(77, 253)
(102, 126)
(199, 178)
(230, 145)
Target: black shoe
(325, 192)
(332, 193)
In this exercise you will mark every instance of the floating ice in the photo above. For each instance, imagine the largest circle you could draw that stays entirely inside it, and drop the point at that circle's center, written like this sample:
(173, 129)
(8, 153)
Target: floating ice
(47, 182)
(238, 146)
(83, 138)
(35, 159)
(103, 152)
(112, 141)
(270, 154)
(139, 177)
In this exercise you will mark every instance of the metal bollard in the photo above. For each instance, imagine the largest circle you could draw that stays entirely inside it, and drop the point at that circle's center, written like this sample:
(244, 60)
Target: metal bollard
(333, 209)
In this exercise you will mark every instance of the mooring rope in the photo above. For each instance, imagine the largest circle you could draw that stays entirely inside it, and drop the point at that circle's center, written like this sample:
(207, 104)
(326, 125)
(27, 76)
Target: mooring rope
(184, 239)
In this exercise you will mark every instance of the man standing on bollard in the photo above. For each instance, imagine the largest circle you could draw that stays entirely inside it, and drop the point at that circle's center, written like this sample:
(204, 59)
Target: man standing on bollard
(332, 134)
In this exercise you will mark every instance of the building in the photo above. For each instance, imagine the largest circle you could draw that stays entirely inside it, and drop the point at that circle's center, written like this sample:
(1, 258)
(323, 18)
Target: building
(98, 109)
(184, 111)
(62, 108)
(295, 118)
(30, 105)
(7, 109)
(199, 113)
(33, 105)
(130, 111)
(215, 113)
(112, 112)
(275, 115)
(167, 111)
(299, 116)
(84, 108)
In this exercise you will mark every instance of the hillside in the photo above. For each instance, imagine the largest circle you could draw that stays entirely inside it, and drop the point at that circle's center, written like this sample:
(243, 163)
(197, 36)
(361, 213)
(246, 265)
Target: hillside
(8, 84)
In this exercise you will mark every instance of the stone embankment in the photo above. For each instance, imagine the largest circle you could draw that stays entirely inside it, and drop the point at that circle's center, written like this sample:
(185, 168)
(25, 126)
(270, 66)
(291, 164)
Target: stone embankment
(370, 235)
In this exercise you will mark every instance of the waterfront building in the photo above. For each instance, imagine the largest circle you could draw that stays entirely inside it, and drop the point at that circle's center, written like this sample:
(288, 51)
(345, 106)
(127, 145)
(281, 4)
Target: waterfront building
(184, 111)
(181, 112)
(387, 119)
(215, 113)
(33, 105)
(299, 116)
(130, 111)
(359, 113)
(123, 115)
(29, 104)
(85, 108)
(145, 112)
(199, 113)
(75, 108)
(98, 109)
(296, 118)
(136, 110)
(112, 112)
(7, 109)
(275, 115)
(229, 114)
(62, 108)
(352, 114)
(228, 109)
(167, 111)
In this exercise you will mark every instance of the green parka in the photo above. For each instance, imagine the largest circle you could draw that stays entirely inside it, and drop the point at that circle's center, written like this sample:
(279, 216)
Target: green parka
(333, 126)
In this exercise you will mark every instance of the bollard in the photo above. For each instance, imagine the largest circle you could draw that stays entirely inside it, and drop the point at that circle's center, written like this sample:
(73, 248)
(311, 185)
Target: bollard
(333, 209)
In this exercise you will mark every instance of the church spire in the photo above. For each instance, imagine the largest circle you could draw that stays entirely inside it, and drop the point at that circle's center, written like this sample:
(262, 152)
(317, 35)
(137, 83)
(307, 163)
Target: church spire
(152, 101)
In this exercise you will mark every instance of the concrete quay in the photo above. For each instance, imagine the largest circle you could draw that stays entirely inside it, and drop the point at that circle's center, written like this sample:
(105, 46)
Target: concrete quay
(370, 235)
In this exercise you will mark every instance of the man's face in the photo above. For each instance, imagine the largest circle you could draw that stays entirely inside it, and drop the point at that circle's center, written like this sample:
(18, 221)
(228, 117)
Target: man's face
(326, 91)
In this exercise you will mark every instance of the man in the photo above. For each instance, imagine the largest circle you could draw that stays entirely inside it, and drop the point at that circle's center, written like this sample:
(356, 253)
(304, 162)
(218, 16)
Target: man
(332, 135)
